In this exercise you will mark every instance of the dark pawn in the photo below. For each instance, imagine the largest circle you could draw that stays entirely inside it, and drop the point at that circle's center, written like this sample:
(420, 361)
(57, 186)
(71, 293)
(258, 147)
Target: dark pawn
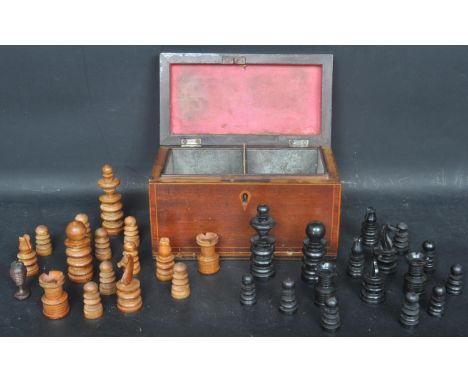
(370, 229)
(387, 255)
(356, 260)
(314, 250)
(415, 278)
(373, 290)
(454, 283)
(436, 306)
(429, 250)
(288, 304)
(401, 238)
(262, 245)
(248, 295)
(409, 316)
(18, 275)
(325, 287)
(330, 320)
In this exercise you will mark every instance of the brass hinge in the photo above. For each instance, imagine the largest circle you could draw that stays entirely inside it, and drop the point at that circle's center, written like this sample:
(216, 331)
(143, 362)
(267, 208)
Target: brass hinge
(190, 142)
(237, 60)
(298, 143)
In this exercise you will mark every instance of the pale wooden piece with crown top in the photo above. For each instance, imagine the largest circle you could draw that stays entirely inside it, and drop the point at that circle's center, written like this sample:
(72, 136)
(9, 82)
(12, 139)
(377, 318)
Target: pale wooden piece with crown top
(55, 299)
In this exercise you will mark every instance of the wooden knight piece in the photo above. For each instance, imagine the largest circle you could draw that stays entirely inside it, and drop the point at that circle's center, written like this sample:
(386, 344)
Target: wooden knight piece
(102, 248)
(208, 260)
(92, 306)
(180, 282)
(43, 243)
(55, 299)
(18, 275)
(27, 255)
(164, 260)
(128, 289)
(78, 251)
(107, 282)
(111, 202)
(131, 233)
(130, 249)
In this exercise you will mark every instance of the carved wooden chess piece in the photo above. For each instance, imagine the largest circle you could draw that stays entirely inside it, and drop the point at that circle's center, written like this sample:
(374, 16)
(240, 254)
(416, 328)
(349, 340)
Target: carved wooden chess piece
(18, 275)
(130, 249)
(356, 260)
(262, 245)
(401, 238)
(370, 230)
(128, 289)
(107, 284)
(43, 243)
(102, 247)
(314, 251)
(208, 260)
(164, 260)
(248, 294)
(92, 306)
(325, 286)
(387, 255)
(372, 289)
(78, 251)
(415, 278)
(27, 255)
(288, 303)
(83, 218)
(55, 299)
(454, 284)
(429, 251)
(111, 202)
(409, 315)
(436, 306)
(180, 282)
(330, 319)
(131, 233)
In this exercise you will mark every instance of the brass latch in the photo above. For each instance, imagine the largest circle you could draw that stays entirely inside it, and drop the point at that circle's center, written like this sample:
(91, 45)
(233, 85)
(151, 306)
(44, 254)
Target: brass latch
(190, 142)
(237, 60)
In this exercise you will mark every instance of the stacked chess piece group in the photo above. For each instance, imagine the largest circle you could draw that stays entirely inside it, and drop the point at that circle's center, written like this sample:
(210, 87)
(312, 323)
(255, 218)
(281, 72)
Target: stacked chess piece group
(92, 306)
(208, 260)
(314, 250)
(128, 288)
(27, 255)
(131, 233)
(43, 242)
(78, 251)
(111, 202)
(107, 284)
(164, 260)
(55, 299)
(102, 247)
(180, 282)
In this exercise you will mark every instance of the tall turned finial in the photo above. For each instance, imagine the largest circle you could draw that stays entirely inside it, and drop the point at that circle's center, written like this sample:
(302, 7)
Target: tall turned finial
(111, 202)
(314, 251)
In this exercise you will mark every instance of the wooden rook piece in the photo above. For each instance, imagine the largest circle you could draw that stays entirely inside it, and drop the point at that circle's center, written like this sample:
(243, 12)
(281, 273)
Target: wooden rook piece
(325, 286)
(164, 260)
(429, 251)
(262, 245)
(415, 278)
(248, 294)
(356, 260)
(83, 218)
(43, 242)
(102, 247)
(107, 284)
(288, 304)
(78, 251)
(128, 289)
(401, 238)
(330, 319)
(130, 249)
(18, 275)
(436, 306)
(27, 255)
(111, 202)
(454, 283)
(372, 290)
(409, 316)
(208, 260)
(55, 299)
(370, 230)
(92, 306)
(180, 282)
(131, 233)
(314, 251)
(387, 255)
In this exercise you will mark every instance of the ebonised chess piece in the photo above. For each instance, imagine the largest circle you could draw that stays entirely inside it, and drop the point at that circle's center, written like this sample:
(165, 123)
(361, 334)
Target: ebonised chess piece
(409, 315)
(18, 273)
(325, 286)
(288, 304)
(436, 306)
(387, 255)
(454, 283)
(330, 320)
(401, 238)
(370, 230)
(314, 251)
(248, 294)
(373, 290)
(262, 245)
(415, 278)
(356, 260)
(429, 251)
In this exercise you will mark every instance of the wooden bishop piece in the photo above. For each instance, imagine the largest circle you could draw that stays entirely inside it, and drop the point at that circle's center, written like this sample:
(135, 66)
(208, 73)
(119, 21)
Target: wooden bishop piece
(102, 248)
(92, 306)
(106, 278)
(55, 299)
(164, 260)
(131, 234)
(180, 282)
(111, 202)
(78, 251)
(128, 289)
(43, 243)
(27, 255)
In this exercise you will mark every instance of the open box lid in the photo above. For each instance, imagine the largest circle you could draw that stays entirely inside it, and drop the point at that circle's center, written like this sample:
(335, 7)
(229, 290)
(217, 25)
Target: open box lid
(256, 99)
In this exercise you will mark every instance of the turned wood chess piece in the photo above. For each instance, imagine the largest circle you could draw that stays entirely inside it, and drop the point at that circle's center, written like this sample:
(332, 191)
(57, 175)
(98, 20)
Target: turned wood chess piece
(102, 247)
(131, 249)
(131, 233)
(83, 218)
(409, 315)
(107, 284)
(43, 242)
(111, 202)
(92, 306)
(330, 319)
(325, 286)
(248, 294)
(387, 255)
(180, 288)
(27, 255)
(78, 251)
(288, 303)
(18, 273)
(262, 245)
(370, 230)
(128, 288)
(55, 299)
(415, 278)
(401, 238)
(208, 260)
(164, 260)
(454, 283)
(372, 288)
(356, 260)
(429, 251)
(314, 250)
(436, 306)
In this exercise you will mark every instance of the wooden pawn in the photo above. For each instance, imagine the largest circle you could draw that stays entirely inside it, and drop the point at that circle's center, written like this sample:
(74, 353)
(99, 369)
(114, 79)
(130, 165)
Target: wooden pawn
(180, 282)
(43, 242)
(106, 278)
(131, 233)
(111, 202)
(92, 306)
(164, 260)
(27, 255)
(102, 247)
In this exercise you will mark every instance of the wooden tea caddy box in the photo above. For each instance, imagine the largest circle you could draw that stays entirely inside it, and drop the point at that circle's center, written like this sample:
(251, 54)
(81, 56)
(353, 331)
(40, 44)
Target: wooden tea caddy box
(237, 131)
